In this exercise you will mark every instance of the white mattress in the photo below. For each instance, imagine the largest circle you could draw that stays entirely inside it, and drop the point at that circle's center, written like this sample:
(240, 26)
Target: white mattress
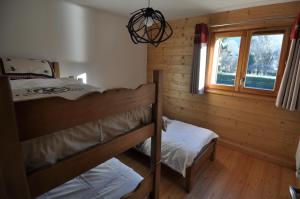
(181, 143)
(110, 180)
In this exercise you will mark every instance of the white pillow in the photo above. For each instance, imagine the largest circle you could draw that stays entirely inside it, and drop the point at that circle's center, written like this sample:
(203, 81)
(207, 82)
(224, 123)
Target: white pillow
(166, 121)
(16, 68)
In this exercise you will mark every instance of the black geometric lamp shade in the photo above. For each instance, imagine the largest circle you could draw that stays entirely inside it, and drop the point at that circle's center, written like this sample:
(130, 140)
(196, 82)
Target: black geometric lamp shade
(147, 25)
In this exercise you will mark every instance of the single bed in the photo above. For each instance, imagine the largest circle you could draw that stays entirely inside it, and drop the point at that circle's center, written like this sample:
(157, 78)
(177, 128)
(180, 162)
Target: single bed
(66, 129)
(184, 147)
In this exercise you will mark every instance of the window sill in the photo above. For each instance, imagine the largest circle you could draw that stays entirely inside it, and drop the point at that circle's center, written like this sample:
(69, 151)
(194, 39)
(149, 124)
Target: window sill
(240, 94)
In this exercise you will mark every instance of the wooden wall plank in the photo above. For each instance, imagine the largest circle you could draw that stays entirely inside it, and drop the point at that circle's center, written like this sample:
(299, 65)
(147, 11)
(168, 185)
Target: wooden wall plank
(261, 12)
(253, 124)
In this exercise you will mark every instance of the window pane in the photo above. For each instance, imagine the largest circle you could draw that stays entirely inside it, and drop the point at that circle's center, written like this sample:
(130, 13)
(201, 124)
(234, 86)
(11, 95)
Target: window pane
(226, 55)
(263, 61)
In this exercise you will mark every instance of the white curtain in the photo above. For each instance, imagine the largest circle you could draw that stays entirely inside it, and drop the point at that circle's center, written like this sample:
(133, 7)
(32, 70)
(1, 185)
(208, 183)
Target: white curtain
(289, 92)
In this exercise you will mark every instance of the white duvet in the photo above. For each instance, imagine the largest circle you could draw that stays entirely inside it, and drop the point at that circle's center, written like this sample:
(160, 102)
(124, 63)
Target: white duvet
(110, 180)
(181, 143)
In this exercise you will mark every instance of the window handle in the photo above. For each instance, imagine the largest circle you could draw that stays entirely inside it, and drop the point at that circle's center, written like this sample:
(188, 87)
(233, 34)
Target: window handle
(242, 80)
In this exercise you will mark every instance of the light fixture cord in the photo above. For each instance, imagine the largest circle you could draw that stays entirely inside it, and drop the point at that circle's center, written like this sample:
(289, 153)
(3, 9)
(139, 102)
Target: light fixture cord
(148, 3)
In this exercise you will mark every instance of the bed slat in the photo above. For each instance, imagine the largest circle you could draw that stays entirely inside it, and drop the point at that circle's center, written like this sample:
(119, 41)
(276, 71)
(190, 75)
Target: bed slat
(44, 116)
(48, 178)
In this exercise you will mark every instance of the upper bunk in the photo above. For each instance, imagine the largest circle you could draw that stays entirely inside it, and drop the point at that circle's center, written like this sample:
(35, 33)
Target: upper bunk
(26, 120)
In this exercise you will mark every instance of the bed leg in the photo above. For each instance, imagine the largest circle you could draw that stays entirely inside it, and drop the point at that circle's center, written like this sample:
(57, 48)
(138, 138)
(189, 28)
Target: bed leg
(155, 192)
(188, 180)
(213, 153)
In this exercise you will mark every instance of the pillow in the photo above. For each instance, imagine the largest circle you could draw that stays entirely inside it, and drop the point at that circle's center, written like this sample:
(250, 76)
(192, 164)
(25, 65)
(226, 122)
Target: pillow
(165, 122)
(26, 68)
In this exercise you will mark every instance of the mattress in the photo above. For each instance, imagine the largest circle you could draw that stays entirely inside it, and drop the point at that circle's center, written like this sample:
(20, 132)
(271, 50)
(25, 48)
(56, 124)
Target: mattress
(110, 180)
(181, 143)
(49, 149)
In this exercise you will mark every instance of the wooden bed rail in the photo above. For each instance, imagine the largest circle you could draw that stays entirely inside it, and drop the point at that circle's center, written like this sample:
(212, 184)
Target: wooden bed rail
(18, 123)
(55, 114)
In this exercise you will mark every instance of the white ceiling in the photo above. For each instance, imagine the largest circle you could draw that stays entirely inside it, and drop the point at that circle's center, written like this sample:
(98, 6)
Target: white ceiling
(174, 9)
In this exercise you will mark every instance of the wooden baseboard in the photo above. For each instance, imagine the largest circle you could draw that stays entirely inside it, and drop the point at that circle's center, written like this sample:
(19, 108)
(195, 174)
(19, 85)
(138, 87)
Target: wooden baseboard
(258, 154)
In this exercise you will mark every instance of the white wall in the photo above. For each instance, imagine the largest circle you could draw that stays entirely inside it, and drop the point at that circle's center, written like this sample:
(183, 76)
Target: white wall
(82, 39)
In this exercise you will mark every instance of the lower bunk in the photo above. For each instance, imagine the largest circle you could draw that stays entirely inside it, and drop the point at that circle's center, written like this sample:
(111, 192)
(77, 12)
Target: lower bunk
(111, 179)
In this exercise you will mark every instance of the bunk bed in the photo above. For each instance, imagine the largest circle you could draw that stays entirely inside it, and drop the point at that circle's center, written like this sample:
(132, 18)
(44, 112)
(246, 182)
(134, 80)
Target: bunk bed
(22, 121)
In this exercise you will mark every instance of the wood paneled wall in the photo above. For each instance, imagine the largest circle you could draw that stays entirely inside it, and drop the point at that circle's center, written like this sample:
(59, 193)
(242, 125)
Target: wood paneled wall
(251, 124)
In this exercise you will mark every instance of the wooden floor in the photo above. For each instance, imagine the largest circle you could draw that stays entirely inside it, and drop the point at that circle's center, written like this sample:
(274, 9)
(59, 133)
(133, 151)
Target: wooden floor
(232, 175)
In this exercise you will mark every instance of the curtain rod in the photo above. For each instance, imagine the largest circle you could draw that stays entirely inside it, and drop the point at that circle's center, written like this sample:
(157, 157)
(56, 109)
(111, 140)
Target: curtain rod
(254, 21)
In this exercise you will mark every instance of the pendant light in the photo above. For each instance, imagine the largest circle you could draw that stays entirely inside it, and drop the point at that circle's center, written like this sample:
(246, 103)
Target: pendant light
(147, 25)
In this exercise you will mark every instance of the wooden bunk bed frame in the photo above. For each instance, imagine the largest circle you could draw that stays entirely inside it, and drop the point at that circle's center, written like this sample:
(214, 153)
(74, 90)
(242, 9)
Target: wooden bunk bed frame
(18, 124)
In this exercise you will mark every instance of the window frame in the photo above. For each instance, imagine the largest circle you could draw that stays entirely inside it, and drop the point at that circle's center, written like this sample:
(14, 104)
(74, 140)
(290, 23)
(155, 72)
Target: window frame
(214, 37)
(244, 51)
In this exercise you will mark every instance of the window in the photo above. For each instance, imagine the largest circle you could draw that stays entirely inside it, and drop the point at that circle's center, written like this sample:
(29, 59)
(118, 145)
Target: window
(263, 61)
(225, 62)
(248, 61)
(82, 77)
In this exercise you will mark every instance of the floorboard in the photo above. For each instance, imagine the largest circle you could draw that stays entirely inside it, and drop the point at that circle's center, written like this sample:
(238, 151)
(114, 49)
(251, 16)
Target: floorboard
(233, 175)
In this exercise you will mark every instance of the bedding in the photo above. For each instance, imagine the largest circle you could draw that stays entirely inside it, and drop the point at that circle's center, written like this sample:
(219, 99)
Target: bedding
(16, 68)
(49, 149)
(30, 89)
(181, 143)
(109, 180)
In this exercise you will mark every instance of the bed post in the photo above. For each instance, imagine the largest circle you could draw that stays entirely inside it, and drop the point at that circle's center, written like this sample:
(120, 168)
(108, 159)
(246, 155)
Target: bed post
(191, 172)
(213, 153)
(156, 139)
(189, 179)
(56, 69)
(12, 169)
